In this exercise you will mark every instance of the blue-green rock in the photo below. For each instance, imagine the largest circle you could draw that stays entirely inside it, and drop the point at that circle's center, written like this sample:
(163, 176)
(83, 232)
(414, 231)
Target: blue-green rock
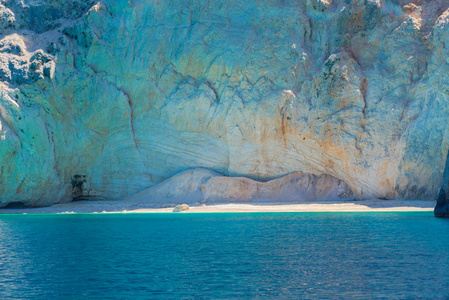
(104, 99)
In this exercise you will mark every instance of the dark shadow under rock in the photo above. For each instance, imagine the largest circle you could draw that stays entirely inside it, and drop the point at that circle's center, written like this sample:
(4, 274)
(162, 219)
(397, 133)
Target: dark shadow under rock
(15, 205)
(442, 207)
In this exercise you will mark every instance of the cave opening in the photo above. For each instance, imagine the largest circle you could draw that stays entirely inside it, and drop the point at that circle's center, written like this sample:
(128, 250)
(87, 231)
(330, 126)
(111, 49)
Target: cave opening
(15, 205)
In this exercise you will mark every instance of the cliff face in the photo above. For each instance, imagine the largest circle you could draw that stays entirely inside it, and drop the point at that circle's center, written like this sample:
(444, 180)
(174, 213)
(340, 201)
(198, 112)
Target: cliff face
(106, 99)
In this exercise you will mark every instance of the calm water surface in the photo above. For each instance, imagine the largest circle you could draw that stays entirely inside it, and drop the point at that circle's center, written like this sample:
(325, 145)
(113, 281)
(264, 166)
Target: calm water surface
(224, 255)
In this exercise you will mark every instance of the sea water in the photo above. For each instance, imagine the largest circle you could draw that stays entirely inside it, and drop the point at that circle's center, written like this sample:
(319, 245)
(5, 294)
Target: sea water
(224, 256)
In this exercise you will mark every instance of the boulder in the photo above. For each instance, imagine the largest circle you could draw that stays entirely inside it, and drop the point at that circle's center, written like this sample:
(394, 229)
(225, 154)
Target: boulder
(181, 208)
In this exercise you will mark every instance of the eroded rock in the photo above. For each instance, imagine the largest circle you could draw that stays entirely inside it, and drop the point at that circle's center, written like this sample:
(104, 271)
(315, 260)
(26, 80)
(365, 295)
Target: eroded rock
(181, 208)
(205, 186)
(18, 66)
(130, 93)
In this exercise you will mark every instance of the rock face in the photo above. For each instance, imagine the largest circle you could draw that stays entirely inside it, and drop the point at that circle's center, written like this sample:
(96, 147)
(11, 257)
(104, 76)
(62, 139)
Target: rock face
(106, 99)
(205, 186)
(442, 208)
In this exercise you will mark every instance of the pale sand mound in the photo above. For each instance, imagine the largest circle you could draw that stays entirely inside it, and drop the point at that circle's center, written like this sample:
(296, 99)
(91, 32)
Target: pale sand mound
(202, 185)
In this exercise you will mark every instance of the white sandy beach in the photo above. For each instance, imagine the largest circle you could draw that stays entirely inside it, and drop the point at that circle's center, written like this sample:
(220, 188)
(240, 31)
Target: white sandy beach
(374, 205)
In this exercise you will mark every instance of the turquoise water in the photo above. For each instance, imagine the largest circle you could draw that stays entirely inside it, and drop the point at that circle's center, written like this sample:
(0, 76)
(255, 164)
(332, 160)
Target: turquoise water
(223, 256)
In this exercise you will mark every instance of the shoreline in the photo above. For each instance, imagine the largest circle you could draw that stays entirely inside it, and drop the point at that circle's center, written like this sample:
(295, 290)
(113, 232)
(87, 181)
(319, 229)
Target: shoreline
(123, 206)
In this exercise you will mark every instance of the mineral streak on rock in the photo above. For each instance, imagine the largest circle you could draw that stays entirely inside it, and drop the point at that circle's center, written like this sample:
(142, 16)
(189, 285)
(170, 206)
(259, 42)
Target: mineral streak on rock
(442, 207)
(130, 93)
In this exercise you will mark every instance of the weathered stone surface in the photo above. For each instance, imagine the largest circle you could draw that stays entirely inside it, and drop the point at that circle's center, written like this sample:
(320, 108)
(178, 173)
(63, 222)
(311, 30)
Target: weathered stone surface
(184, 187)
(181, 208)
(205, 186)
(7, 18)
(18, 66)
(442, 206)
(126, 94)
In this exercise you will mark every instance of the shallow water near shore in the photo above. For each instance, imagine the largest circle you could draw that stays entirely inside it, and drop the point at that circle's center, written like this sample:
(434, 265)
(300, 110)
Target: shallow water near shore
(224, 255)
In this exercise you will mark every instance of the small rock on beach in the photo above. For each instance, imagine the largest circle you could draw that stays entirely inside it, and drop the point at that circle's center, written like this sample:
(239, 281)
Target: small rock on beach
(181, 208)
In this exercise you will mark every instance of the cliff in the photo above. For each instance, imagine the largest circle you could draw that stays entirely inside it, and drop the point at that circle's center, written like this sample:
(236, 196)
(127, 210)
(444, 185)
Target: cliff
(106, 99)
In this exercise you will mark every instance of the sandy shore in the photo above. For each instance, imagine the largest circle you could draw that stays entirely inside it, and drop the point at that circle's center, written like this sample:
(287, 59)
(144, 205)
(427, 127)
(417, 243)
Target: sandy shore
(374, 205)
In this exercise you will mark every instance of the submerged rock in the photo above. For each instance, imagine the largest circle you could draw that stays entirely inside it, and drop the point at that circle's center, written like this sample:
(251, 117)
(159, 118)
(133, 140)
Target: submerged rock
(181, 208)
(442, 207)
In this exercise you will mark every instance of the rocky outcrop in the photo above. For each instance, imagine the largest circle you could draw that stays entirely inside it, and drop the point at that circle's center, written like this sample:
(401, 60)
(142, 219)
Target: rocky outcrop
(126, 94)
(18, 66)
(442, 207)
(204, 186)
